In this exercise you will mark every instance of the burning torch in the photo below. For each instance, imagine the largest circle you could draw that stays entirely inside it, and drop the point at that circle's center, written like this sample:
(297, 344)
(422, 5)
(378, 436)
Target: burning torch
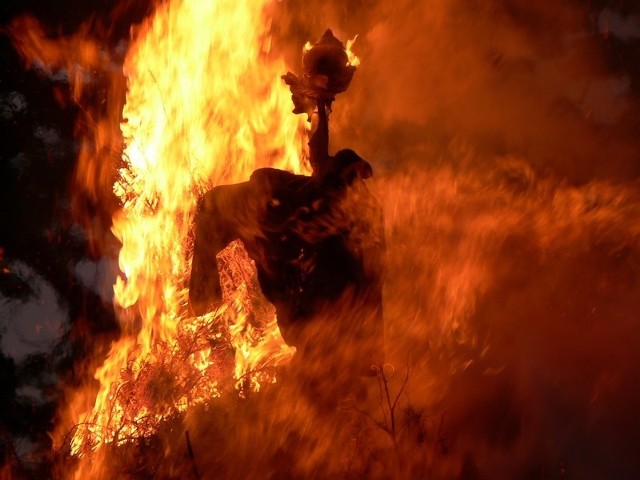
(326, 71)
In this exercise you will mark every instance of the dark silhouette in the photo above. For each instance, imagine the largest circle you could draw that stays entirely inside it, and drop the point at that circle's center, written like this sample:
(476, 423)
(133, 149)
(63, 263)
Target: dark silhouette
(317, 241)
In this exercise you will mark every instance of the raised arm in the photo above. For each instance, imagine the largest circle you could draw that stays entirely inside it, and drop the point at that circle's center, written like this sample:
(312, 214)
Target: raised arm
(319, 142)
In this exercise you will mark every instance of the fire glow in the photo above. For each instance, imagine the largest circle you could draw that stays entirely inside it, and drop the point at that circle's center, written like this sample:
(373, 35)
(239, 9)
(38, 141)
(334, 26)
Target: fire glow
(479, 266)
(204, 107)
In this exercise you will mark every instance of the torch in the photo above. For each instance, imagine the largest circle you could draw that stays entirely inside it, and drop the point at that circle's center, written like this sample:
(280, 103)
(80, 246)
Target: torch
(326, 71)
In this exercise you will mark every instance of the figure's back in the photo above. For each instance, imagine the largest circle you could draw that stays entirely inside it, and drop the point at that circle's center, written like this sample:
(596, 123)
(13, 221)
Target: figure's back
(318, 246)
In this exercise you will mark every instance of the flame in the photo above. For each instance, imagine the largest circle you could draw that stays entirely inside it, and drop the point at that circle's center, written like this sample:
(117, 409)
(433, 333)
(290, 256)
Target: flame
(204, 106)
(354, 61)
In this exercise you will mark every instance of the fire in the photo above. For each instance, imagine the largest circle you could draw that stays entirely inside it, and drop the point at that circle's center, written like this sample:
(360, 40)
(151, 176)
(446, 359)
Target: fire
(204, 106)
(512, 288)
(353, 58)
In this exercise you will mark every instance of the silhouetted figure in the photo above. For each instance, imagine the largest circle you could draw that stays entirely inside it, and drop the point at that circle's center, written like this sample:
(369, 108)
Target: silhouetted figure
(318, 245)
(317, 241)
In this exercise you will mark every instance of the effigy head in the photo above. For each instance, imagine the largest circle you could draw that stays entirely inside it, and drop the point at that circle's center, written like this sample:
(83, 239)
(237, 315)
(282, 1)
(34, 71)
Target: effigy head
(326, 67)
(326, 71)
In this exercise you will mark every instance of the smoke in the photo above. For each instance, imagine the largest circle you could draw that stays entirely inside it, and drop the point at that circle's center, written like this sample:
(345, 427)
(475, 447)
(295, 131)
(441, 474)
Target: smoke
(506, 76)
(515, 298)
(502, 134)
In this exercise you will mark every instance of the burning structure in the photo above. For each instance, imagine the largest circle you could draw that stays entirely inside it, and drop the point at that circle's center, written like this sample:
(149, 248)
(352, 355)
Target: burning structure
(503, 136)
(318, 241)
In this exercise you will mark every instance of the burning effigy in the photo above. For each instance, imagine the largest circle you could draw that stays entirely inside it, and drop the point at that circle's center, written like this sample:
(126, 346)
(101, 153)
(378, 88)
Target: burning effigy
(317, 241)
(243, 255)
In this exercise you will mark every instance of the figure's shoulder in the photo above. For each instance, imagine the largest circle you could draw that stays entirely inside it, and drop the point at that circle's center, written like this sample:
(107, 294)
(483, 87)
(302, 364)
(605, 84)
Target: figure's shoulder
(273, 174)
(275, 179)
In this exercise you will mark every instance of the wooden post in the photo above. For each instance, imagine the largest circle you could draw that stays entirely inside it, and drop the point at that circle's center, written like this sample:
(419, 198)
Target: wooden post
(319, 142)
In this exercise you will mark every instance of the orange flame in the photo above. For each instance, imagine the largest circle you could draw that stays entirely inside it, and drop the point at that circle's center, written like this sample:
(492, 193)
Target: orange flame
(354, 61)
(204, 107)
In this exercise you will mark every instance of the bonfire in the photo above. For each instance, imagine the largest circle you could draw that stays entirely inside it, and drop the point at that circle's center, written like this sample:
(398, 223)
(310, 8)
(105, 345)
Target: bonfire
(500, 145)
